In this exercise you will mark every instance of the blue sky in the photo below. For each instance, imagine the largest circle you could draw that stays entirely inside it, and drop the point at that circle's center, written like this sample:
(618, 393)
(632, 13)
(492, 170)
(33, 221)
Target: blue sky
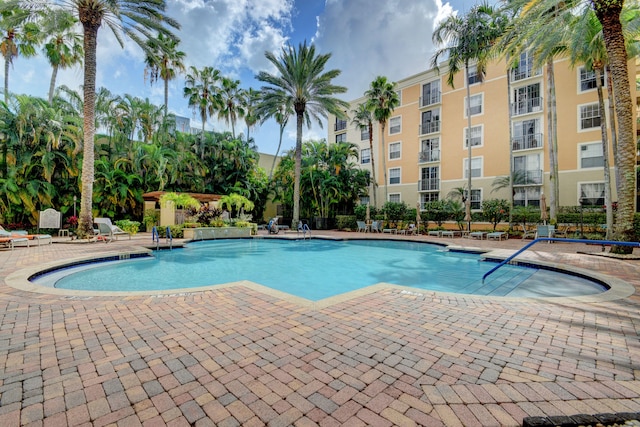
(366, 38)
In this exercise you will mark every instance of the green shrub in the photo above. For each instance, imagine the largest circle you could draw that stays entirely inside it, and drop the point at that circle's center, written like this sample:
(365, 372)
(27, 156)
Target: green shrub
(151, 218)
(129, 226)
(347, 222)
(242, 224)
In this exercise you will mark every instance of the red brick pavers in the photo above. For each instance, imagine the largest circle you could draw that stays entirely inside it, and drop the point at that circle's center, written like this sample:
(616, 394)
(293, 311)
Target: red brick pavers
(237, 356)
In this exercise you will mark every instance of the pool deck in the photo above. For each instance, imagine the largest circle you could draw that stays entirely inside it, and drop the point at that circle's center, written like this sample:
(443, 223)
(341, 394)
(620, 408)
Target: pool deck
(236, 355)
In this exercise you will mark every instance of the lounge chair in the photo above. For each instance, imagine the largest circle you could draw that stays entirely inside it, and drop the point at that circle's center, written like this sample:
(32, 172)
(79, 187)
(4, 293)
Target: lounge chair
(22, 234)
(105, 233)
(528, 232)
(362, 226)
(115, 230)
(498, 235)
(545, 231)
(376, 227)
(9, 241)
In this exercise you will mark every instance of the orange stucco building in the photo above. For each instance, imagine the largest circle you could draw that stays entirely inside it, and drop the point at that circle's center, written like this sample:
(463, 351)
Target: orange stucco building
(425, 154)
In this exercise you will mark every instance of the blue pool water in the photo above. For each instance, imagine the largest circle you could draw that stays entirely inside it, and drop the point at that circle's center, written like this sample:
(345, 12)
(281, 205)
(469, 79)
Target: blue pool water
(318, 269)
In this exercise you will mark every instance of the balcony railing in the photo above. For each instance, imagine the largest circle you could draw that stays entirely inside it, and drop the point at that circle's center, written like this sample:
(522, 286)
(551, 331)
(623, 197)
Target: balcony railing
(524, 72)
(429, 184)
(429, 156)
(531, 105)
(430, 98)
(340, 125)
(528, 177)
(526, 142)
(430, 127)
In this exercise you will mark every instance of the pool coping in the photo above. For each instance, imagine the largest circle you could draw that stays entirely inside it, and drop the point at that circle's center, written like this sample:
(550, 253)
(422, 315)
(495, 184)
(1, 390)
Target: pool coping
(618, 289)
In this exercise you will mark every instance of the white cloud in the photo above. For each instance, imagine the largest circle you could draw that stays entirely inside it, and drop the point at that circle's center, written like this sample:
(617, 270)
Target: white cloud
(368, 39)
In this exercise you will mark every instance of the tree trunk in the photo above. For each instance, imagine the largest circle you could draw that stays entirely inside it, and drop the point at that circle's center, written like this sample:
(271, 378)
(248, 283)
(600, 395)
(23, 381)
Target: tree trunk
(608, 13)
(612, 123)
(373, 167)
(298, 168)
(384, 164)
(166, 97)
(552, 141)
(605, 154)
(6, 78)
(52, 84)
(85, 221)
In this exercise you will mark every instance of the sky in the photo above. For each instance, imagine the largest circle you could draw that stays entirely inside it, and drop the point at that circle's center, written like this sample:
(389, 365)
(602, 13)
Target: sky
(366, 39)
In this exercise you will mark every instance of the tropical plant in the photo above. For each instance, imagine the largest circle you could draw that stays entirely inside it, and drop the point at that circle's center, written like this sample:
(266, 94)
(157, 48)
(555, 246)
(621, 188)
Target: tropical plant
(276, 105)
(231, 106)
(363, 120)
(235, 202)
(302, 81)
(382, 99)
(495, 211)
(164, 61)
(203, 96)
(180, 200)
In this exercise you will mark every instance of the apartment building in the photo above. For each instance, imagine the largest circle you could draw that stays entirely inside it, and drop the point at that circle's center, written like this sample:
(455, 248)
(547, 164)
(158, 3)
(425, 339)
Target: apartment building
(426, 156)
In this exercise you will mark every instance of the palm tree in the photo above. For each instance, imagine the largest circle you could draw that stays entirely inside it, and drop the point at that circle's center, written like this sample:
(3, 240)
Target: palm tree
(467, 39)
(382, 99)
(164, 61)
(203, 95)
(250, 101)
(608, 13)
(302, 80)
(231, 102)
(276, 105)
(63, 47)
(363, 119)
(19, 37)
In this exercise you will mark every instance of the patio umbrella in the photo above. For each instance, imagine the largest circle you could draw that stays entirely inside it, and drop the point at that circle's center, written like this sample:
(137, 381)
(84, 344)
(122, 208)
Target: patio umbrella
(418, 219)
(543, 209)
(367, 217)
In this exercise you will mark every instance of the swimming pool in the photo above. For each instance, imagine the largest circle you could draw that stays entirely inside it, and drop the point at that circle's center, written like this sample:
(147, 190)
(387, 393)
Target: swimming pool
(318, 269)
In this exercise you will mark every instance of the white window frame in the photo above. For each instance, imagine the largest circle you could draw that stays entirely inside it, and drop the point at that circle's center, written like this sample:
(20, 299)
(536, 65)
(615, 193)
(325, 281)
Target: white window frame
(478, 201)
(398, 151)
(364, 200)
(399, 176)
(362, 156)
(466, 100)
(580, 79)
(364, 134)
(465, 132)
(399, 93)
(399, 125)
(582, 151)
(430, 196)
(475, 73)
(465, 165)
(581, 184)
(580, 116)
(394, 195)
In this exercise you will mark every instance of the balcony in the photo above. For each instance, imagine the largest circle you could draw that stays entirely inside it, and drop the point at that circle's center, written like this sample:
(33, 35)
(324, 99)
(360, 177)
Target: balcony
(431, 98)
(524, 72)
(429, 156)
(340, 125)
(532, 105)
(432, 184)
(430, 127)
(528, 177)
(526, 142)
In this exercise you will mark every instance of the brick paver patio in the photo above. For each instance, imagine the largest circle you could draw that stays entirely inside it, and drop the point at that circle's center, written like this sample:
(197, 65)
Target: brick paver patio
(236, 356)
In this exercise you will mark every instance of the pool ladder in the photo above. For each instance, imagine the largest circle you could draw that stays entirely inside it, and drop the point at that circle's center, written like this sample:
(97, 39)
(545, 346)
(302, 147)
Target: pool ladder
(304, 228)
(155, 237)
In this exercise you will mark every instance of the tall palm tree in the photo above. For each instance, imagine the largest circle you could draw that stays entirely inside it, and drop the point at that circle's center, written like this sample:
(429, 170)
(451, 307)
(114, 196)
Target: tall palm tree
(203, 96)
(164, 61)
(382, 99)
(608, 13)
(250, 101)
(276, 105)
(20, 36)
(302, 80)
(231, 108)
(466, 40)
(63, 44)
(363, 120)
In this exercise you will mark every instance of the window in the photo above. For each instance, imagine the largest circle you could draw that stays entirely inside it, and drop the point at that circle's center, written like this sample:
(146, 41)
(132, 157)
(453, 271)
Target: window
(527, 135)
(527, 99)
(430, 150)
(474, 76)
(341, 137)
(589, 116)
(476, 136)
(340, 125)
(476, 167)
(365, 156)
(526, 196)
(527, 170)
(430, 93)
(395, 125)
(394, 176)
(591, 155)
(430, 122)
(592, 194)
(476, 198)
(588, 79)
(364, 200)
(399, 93)
(394, 150)
(476, 105)
(364, 134)
(429, 179)
(428, 197)
(394, 198)
(524, 69)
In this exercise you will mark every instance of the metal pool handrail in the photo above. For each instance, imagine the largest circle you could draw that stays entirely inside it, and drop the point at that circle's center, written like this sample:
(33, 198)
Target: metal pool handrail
(555, 239)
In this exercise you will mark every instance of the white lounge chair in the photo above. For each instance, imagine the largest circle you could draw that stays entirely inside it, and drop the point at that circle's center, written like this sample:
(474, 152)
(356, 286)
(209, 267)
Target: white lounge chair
(115, 230)
(362, 226)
